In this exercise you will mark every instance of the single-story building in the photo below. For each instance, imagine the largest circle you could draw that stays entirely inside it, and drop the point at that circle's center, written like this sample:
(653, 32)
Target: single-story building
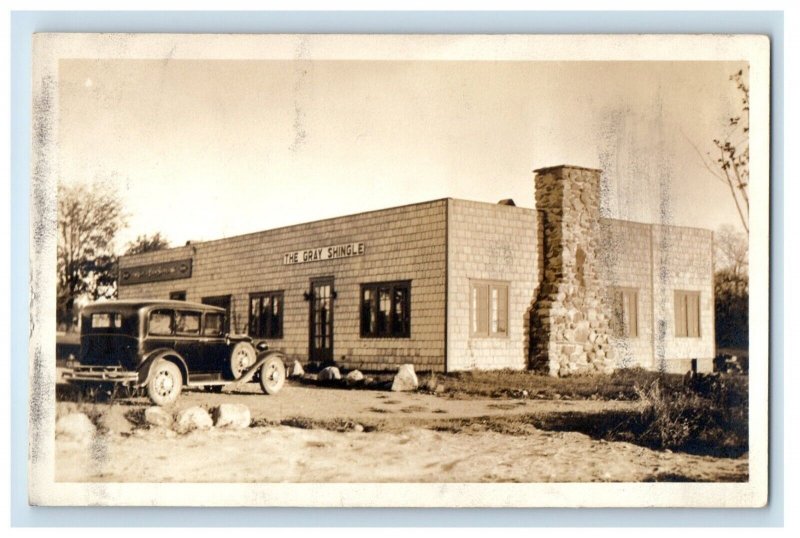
(455, 285)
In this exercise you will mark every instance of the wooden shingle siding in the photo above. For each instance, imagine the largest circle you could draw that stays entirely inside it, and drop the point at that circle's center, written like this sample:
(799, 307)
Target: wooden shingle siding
(401, 244)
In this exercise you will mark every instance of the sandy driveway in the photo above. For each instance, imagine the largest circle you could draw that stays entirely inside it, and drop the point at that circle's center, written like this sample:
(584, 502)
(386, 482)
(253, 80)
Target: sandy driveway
(400, 448)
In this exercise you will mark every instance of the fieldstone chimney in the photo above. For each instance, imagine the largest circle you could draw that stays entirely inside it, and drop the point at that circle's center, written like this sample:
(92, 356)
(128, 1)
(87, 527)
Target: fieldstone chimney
(570, 323)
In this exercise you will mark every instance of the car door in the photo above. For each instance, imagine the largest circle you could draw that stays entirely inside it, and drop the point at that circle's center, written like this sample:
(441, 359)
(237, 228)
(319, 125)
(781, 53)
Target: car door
(216, 352)
(187, 339)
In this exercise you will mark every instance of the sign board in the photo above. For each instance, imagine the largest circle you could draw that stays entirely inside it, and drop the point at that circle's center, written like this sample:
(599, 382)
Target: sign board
(155, 272)
(317, 254)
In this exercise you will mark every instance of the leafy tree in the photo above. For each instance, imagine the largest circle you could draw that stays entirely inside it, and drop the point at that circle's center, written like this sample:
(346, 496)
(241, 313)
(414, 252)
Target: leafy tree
(89, 217)
(731, 288)
(731, 309)
(145, 243)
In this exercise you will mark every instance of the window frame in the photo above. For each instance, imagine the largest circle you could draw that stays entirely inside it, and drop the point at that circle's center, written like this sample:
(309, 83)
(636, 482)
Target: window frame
(489, 286)
(177, 295)
(375, 288)
(204, 329)
(618, 328)
(683, 330)
(260, 296)
(171, 322)
(178, 313)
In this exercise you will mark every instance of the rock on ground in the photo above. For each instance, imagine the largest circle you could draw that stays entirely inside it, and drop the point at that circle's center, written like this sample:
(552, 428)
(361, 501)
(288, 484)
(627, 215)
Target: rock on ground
(234, 416)
(295, 369)
(193, 418)
(329, 373)
(354, 377)
(75, 426)
(405, 379)
(156, 416)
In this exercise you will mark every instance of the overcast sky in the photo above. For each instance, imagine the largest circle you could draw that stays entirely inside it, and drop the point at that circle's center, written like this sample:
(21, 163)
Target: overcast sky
(205, 149)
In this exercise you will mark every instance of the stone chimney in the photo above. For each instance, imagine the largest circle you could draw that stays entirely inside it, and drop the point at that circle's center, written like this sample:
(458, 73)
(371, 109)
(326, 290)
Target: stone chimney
(570, 322)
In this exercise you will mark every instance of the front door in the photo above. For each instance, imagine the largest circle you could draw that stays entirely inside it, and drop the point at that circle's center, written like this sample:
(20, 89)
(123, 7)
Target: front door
(320, 334)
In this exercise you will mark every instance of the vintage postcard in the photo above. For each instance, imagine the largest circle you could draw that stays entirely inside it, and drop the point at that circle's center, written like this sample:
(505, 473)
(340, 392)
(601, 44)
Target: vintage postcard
(399, 270)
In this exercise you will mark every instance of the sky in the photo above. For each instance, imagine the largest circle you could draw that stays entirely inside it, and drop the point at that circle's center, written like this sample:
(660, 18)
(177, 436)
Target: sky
(205, 149)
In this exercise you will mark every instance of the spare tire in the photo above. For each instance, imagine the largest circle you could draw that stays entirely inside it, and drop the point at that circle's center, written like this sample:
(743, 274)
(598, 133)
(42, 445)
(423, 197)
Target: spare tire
(243, 356)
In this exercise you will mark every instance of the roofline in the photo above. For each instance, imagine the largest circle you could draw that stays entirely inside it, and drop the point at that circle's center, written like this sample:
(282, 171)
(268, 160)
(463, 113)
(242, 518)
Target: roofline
(651, 224)
(328, 219)
(570, 166)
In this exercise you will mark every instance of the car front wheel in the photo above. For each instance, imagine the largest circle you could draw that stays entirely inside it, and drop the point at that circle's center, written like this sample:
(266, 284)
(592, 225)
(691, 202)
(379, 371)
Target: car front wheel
(165, 383)
(273, 374)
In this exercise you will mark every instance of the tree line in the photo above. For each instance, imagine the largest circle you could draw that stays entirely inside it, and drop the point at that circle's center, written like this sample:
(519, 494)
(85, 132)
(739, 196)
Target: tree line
(90, 215)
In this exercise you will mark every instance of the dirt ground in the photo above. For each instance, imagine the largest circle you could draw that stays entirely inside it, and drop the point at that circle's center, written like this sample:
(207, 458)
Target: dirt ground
(407, 437)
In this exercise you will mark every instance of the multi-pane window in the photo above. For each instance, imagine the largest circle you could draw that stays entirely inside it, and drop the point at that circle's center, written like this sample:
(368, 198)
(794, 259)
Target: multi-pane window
(386, 310)
(266, 315)
(625, 320)
(488, 309)
(687, 314)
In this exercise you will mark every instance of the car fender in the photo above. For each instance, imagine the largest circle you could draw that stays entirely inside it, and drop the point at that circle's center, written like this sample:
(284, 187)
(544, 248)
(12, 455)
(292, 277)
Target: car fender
(261, 358)
(145, 369)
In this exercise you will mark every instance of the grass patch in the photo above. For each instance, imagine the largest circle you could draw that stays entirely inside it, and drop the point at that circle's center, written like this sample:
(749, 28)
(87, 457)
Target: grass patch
(705, 416)
(527, 384)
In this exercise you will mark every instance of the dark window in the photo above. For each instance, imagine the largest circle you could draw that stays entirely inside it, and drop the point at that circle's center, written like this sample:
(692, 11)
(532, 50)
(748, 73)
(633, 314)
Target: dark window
(160, 323)
(625, 320)
(213, 325)
(687, 314)
(266, 315)
(222, 301)
(488, 307)
(386, 310)
(177, 295)
(187, 323)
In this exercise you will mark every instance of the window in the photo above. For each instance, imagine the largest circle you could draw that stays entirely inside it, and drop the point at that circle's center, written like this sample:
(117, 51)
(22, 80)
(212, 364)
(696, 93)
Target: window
(177, 295)
(687, 314)
(386, 310)
(266, 315)
(222, 301)
(625, 319)
(214, 325)
(187, 323)
(488, 309)
(160, 323)
(105, 321)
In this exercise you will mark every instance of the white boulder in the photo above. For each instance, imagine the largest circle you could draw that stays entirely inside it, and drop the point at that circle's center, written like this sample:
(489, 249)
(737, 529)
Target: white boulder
(233, 416)
(329, 374)
(354, 377)
(76, 427)
(405, 379)
(156, 416)
(193, 418)
(295, 370)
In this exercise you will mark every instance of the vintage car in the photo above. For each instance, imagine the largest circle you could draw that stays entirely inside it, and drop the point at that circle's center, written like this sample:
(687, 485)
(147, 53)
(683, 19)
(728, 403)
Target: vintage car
(163, 346)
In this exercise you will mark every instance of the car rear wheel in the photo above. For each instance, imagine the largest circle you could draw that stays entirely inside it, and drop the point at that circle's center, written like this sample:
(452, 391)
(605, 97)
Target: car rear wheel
(243, 356)
(165, 383)
(273, 375)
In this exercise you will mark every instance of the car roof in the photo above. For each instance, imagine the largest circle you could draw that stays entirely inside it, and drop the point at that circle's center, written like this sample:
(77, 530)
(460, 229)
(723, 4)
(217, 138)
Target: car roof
(132, 305)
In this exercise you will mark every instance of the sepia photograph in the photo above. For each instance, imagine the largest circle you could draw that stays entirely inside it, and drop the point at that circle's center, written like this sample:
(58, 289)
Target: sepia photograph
(398, 270)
